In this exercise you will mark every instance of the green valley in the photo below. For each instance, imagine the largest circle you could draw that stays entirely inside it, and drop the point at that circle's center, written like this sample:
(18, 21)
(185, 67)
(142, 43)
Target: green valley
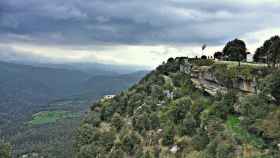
(46, 117)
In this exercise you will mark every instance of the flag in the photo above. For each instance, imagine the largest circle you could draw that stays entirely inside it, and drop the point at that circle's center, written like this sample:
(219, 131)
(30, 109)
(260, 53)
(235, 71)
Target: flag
(204, 46)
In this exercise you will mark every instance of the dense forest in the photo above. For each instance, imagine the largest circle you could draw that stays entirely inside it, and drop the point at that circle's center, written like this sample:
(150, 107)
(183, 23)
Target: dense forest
(166, 115)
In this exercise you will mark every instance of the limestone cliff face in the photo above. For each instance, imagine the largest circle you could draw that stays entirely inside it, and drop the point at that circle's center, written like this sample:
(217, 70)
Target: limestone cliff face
(205, 79)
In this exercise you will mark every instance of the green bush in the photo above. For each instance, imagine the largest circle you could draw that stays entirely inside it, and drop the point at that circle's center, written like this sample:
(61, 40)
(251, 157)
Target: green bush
(188, 126)
(201, 62)
(91, 151)
(157, 92)
(224, 151)
(270, 125)
(147, 154)
(107, 111)
(94, 118)
(86, 134)
(106, 139)
(200, 140)
(178, 109)
(210, 150)
(154, 121)
(117, 121)
(141, 122)
(226, 106)
(5, 150)
(254, 107)
(116, 154)
(272, 85)
(130, 142)
(168, 135)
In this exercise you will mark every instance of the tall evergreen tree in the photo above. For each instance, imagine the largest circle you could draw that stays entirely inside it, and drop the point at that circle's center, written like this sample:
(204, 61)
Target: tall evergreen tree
(268, 52)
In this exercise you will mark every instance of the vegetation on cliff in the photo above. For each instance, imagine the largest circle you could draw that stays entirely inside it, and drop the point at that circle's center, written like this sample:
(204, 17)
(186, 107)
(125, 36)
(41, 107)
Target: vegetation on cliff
(228, 74)
(269, 52)
(164, 115)
(5, 150)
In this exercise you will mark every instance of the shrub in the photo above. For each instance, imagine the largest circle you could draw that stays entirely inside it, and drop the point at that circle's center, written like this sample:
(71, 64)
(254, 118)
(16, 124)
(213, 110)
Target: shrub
(141, 122)
(117, 121)
(200, 140)
(118, 153)
(188, 125)
(5, 150)
(155, 121)
(254, 107)
(86, 152)
(106, 139)
(130, 142)
(168, 135)
(107, 111)
(86, 134)
(210, 150)
(147, 154)
(224, 151)
(226, 105)
(270, 125)
(94, 118)
(178, 109)
(201, 62)
(273, 85)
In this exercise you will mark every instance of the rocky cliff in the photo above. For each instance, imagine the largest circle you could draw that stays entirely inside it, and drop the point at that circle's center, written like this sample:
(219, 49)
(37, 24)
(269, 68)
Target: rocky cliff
(219, 77)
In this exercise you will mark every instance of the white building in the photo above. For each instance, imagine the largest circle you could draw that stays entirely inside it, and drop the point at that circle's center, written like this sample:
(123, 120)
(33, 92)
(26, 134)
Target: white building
(108, 97)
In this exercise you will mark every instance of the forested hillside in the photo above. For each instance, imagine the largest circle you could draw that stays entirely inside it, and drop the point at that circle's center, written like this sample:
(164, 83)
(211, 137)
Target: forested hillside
(23, 87)
(166, 116)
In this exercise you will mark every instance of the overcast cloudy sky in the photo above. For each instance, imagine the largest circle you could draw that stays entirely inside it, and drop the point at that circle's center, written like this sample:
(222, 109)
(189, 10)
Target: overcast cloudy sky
(138, 32)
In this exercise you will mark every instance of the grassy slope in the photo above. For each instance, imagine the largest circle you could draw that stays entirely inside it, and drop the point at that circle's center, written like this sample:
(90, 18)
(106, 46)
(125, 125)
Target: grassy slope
(51, 117)
(233, 124)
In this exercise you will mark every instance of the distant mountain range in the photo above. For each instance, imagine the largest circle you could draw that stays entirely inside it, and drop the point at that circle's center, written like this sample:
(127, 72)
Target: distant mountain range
(29, 88)
(91, 68)
(24, 87)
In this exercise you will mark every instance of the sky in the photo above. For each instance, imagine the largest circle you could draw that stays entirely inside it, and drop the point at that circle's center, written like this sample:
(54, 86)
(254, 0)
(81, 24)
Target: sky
(130, 32)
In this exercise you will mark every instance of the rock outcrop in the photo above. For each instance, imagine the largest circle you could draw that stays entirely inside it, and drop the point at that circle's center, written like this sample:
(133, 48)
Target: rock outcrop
(207, 78)
(202, 77)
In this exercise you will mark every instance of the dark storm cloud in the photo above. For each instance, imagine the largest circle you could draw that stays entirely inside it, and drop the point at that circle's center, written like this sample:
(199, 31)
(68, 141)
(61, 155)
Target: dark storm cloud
(83, 22)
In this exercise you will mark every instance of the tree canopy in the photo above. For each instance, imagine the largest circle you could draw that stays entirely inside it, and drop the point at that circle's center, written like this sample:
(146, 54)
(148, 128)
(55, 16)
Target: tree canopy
(269, 52)
(235, 50)
(218, 55)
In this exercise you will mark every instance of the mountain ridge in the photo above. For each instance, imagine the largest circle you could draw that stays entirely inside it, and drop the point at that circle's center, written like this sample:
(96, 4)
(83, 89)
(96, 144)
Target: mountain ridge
(165, 115)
